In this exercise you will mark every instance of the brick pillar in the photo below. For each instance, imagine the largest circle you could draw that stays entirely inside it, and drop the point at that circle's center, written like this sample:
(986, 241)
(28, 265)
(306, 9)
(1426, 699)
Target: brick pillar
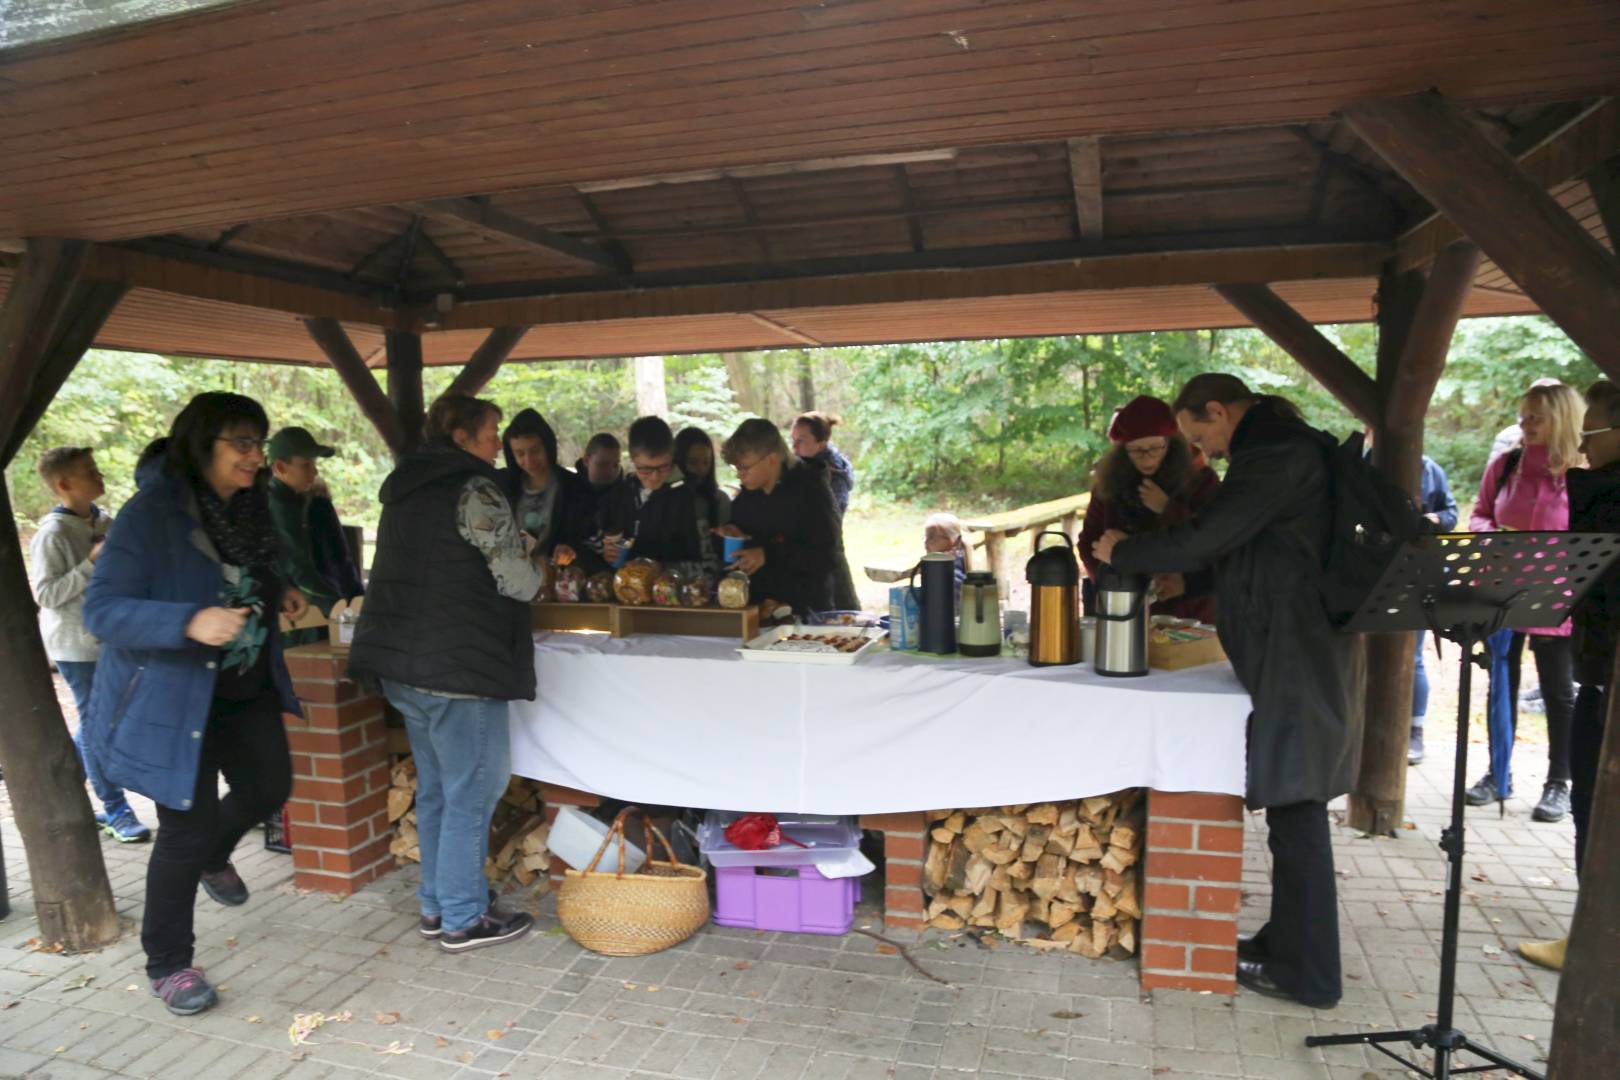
(339, 806)
(904, 841)
(1193, 876)
(553, 797)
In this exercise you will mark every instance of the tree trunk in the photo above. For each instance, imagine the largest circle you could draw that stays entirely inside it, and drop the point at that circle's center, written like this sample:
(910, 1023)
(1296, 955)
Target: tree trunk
(71, 895)
(651, 397)
(740, 372)
(807, 383)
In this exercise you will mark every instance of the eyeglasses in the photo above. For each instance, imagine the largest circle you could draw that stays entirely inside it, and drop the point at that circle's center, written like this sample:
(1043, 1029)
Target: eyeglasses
(242, 444)
(655, 470)
(743, 467)
(1599, 431)
(1147, 453)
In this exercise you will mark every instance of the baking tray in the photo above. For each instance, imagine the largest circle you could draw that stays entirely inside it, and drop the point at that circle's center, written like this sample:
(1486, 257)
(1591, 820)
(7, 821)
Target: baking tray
(758, 648)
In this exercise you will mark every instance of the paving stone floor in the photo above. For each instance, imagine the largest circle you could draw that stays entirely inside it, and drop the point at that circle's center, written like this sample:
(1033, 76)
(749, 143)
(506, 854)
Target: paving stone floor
(737, 1004)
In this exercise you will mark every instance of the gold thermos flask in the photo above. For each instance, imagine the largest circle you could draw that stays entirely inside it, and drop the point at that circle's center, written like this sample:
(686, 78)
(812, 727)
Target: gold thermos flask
(1053, 574)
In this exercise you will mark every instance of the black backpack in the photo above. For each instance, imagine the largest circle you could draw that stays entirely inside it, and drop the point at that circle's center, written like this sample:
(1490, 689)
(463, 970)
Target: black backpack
(1372, 518)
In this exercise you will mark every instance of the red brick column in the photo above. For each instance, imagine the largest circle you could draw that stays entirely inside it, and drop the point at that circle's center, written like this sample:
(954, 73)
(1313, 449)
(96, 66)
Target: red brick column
(553, 797)
(1193, 875)
(339, 806)
(904, 843)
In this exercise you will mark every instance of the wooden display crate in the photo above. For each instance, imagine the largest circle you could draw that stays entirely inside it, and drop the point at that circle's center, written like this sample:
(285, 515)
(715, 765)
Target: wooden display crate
(598, 617)
(1175, 655)
(739, 623)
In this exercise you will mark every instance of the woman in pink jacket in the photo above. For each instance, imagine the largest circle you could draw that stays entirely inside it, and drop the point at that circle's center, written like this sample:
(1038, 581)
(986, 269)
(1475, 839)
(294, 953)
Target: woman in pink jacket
(1523, 490)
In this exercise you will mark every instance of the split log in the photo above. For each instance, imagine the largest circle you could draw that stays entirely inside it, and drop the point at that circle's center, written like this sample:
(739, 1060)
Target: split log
(1035, 842)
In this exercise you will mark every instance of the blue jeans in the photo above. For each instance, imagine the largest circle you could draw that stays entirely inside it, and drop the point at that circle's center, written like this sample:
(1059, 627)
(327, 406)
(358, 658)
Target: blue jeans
(1420, 684)
(463, 753)
(80, 676)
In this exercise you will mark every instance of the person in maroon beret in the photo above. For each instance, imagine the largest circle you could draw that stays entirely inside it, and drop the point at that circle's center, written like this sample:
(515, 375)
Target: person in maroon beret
(1151, 479)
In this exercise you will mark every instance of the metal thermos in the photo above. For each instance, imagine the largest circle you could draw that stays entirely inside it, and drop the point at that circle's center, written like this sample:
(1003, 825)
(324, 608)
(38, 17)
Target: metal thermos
(936, 601)
(1053, 574)
(979, 632)
(1122, 624)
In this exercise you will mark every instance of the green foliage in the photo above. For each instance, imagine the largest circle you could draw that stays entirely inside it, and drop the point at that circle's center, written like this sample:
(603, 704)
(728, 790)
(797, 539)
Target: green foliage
(701, 396)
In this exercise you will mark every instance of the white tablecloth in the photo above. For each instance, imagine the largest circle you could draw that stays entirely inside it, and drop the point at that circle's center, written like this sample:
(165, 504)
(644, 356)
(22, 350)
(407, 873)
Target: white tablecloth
(685, 721)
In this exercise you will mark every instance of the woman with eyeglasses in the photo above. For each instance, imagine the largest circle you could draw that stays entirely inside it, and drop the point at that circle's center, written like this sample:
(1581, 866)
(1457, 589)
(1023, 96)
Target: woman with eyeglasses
(1150, 480)
(1524, 489)
(787, 515)
(191, 685)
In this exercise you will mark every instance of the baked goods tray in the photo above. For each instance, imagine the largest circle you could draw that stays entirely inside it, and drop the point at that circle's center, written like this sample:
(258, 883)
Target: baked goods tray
(799, 644)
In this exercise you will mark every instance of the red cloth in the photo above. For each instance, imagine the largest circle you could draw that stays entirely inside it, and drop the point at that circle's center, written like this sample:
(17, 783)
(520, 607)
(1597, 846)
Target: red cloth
(756, 832)
(1144, 418)
(1101, 515)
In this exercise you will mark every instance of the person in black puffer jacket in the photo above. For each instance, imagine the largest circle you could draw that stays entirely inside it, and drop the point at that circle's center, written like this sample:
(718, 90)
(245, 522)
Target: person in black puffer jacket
(1594, 506)
(445, 630)
(1265, 534)
(787, 514)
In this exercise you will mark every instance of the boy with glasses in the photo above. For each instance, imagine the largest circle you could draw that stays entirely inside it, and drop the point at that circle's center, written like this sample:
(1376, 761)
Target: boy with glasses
(650, 514)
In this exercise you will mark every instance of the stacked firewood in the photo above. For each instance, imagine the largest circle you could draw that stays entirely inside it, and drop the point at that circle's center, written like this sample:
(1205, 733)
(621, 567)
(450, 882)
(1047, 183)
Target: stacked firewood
(517, 833)
(1051, 875)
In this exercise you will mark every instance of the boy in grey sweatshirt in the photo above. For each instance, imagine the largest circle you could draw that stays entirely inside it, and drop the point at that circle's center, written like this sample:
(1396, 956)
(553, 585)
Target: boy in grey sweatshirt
(61, 557)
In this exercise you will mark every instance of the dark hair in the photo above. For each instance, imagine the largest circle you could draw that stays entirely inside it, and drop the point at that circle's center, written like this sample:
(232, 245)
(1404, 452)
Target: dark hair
(529, 424)
(1604, 395)
(1117, 479)
(602, 440)
(757, 436)
(708, 488)
(457, 412)
(190, 450)
(650, 435)
(59, 461)
(1211, 386)
(819, 423)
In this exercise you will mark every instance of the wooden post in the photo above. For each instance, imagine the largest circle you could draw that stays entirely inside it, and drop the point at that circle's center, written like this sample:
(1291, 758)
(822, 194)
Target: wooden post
(1476, 184)
(41, 338)
(483, 364)
(335, 343)
(405, 383)
(1586, 1023)
(1416, 322)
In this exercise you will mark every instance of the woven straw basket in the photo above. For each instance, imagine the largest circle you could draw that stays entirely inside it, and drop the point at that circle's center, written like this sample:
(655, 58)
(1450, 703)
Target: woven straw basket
(621, 914)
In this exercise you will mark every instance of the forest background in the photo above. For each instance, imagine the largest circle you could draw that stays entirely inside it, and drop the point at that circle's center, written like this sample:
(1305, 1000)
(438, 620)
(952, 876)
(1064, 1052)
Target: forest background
(972, 427)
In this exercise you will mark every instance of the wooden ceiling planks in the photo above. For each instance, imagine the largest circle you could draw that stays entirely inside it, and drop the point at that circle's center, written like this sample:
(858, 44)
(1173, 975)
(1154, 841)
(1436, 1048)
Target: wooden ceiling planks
(714, 89)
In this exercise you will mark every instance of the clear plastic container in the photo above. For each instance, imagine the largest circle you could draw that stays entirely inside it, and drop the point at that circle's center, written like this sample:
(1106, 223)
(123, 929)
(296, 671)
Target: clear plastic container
(818, 833)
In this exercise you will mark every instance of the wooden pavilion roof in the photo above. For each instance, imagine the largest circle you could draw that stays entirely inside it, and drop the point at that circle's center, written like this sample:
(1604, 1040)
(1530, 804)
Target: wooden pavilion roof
(697, 175)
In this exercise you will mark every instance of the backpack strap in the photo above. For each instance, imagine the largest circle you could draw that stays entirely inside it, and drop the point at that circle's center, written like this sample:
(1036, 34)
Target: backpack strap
(1511, 462)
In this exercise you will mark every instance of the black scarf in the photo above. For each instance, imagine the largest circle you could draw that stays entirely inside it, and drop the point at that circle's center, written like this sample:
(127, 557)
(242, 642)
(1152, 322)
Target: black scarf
(242, 530)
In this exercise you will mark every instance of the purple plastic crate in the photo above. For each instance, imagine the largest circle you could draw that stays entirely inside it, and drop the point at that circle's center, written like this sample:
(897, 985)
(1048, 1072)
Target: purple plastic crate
(796, 899)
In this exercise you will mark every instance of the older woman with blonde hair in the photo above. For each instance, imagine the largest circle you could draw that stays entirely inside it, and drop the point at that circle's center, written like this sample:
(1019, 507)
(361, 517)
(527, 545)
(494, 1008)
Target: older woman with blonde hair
(1524, 490)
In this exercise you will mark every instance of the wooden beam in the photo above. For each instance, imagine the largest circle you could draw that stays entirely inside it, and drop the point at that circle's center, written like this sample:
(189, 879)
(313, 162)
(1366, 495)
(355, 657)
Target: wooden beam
(500, 226)
(1428, 341)
(939, 281)
(1295, 335)
(1085, 176)
(1572, 150)
(1586, 1020)
(483, 364)
(783, 328)
(404, 349)
(908, 206)
(329, 335)
(40, 295)
(1603, 180)
(84, 316)
(1508, 213)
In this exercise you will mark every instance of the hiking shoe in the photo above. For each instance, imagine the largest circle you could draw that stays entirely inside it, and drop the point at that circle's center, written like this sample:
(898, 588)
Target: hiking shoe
(125, 827)
(432, 926)
(226, 886)
(1482, 792)
(186, 992)
(492, 928)
(1414, 748)
(1554, 802)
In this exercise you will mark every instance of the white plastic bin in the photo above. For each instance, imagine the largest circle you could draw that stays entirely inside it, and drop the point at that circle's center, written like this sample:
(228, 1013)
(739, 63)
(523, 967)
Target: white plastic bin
(575, 836)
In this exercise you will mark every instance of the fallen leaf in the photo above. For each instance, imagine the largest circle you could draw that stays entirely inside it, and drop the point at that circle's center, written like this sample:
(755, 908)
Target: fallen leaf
(440, 1041)
(630, 986)
(742, 965)
(388, 1018)
(84, 1027)
(465, 1056)
(1491, 951)
(1067, 1014)
(80, 983)
(1528, 1038)
(659, 1023)
(397, 1047)
(887, 950)
(60, 1050)
(230, 943)
(654, 989)
(1478, 876)
(494, 1033)
(132, 988)
(9, 1005)
(254, 1019)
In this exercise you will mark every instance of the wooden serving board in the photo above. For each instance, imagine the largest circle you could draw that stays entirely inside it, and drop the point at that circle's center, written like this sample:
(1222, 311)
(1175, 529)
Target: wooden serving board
(622, 620)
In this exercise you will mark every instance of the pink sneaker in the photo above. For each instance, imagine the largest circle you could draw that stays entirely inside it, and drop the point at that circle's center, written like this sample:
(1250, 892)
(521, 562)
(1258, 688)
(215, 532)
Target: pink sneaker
(185, 992)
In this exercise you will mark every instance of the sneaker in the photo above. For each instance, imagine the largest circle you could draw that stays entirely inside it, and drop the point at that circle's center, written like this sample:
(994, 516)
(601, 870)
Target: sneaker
(492, 928)
(431, 926)
(1414, 748)
(186, 992)
(1482, 792)
(226, 886)
(125, 827)
(1554, 802)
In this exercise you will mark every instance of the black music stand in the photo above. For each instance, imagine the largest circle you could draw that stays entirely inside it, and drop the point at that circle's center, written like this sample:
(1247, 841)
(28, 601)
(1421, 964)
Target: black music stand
(1465, 587)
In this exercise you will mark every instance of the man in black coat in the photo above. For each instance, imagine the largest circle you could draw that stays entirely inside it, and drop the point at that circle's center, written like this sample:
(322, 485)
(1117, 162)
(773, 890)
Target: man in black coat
(1265, 535)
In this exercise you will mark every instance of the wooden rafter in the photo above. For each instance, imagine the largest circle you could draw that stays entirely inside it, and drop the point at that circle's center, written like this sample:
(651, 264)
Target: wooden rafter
(1295, 335)
(1603, 180)
(1428, 338)
(604, 229)
(483, 364)
(783, 328)
(85, 313)
(413, 234)
(496, 224)
(1086, 177)
(1505, 209)
(1573, 149)
(1334, 162)
(908, 206)
(751, 218)
(442, 259)
(31, 320)
(330, 336)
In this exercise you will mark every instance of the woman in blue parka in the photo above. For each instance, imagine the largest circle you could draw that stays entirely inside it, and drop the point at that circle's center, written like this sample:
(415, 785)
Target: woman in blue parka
(191, 683)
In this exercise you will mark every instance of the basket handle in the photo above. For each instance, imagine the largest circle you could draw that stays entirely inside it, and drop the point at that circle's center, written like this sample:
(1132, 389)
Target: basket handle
(617, 830)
